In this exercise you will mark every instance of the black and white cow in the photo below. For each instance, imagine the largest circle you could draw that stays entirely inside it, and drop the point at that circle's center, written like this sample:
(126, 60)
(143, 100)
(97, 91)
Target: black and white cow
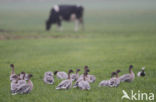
(66, 13)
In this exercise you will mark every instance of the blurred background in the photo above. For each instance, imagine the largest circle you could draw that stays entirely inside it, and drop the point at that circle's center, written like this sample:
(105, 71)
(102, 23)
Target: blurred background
(100, 16)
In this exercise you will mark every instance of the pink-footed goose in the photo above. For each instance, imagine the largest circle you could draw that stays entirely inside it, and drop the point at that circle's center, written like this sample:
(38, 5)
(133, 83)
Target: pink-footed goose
(82, 78)
(76, 75)
(26, 88)
(66, 84)
(61, 75)
(48, 78)
(14, 84)
(128, 77)
(91, 78)
(107, 82)
(84, 84)
(115, 81)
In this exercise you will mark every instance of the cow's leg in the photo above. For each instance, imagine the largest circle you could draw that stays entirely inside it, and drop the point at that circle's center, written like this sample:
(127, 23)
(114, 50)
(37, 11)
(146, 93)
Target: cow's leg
(82, 23)
(59, 24)
(76, 25)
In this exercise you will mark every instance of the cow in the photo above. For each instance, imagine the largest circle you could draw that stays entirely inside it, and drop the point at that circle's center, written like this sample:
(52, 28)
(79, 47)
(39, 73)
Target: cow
(61, 13)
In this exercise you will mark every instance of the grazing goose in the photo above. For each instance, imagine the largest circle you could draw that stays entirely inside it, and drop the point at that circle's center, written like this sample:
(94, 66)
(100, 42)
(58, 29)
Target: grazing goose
(75, 76)
(12, 72)
(14, 84)
(128, 77)
(48, 78)
(84, 84)
(26, 88)
(107, 82)
(61, 75)
(115, 81)
(66, 84)
(142, 72)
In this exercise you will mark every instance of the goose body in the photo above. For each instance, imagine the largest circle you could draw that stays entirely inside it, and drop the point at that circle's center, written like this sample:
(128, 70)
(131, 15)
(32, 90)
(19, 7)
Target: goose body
(65, 84)
(25, 88)
(61, 75)
(84, 84)
(128, 77)
(48, 78)
(109, 82)
(104, 83)
(75, 76)
(14, 86)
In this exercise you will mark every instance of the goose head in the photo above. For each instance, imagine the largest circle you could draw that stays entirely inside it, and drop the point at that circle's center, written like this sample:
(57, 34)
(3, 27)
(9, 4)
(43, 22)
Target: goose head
(22, 75)
(55, 72)
(143, 68)
(15, 78)
(77, 70)
(30, 76)
(85, 67)
(130, 68)
(117, 72)
(112, 75)
(70, 71)
(12, 65)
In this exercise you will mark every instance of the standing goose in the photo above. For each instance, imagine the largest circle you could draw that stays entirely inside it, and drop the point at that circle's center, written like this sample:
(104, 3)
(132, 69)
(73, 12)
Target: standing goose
(107, 82)
(12, 72)
(84, 84)
(48, 78)
(26, 88)
(66, 84)
(75, 76)
(128, 77)
(61, 75)
(142, 72)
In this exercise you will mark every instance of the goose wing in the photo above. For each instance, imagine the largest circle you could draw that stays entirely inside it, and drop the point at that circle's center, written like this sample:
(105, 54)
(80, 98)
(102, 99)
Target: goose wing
(125, 77)
(65, 84)
(23, 89)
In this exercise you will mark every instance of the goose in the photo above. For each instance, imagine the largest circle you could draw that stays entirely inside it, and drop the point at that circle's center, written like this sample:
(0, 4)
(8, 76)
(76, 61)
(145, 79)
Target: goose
(85, 68)
(107, 82)
(66, 84)
(14, 84)
(61, 75)
(26, 88)
(82, 78)
(12, 72)
(91, 78)
(48, 78)
(128, 77)
(22, 80)
(84, 84)
(142, 72)
(76, 75)
(115, 81)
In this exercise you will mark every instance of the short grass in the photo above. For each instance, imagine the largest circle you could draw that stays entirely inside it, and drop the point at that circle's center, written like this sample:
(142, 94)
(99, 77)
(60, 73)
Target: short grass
(116, 35)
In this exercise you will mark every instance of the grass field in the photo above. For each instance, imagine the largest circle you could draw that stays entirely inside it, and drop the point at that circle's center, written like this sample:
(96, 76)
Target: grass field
(116, 35)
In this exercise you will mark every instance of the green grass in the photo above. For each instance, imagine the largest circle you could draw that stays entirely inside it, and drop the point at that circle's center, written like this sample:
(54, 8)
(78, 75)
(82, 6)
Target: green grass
(115, 36)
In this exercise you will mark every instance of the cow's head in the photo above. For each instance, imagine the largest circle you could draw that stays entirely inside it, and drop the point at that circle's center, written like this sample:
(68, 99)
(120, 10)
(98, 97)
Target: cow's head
(53, 19)
(48, 25)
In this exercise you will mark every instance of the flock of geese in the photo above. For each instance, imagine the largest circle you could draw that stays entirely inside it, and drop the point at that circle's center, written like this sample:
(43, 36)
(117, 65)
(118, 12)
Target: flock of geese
(22, 84)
